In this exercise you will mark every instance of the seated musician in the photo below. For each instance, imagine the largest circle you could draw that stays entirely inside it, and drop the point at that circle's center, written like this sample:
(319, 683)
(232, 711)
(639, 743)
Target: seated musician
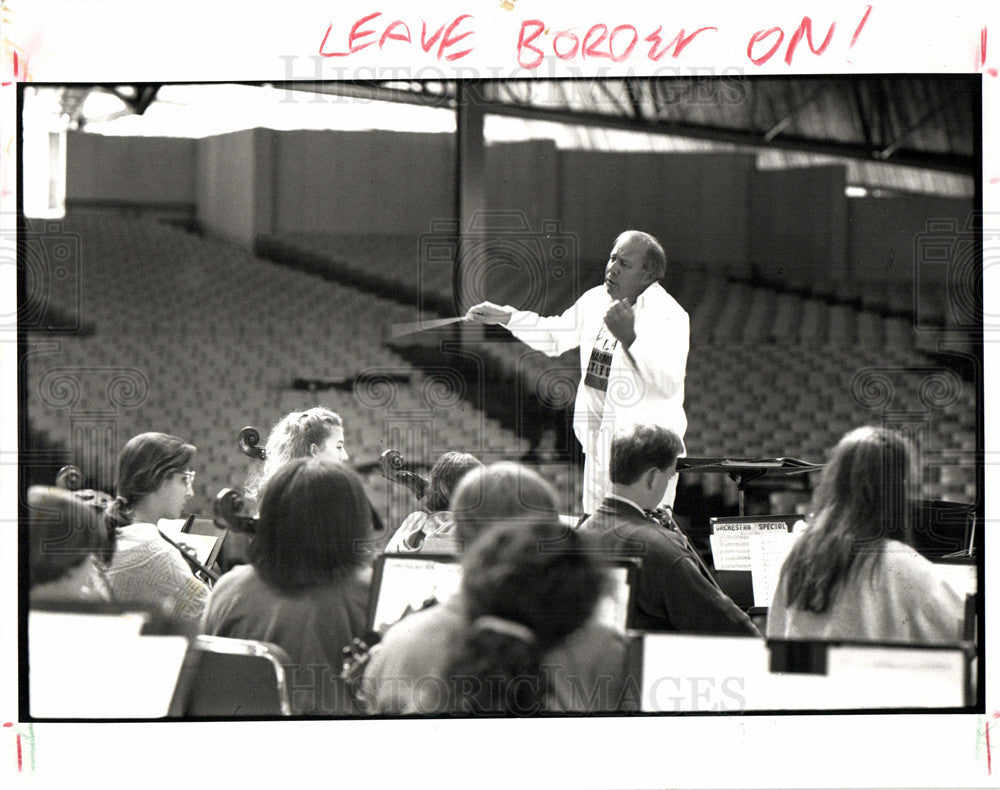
(435, 523)
(306, 589)
(313, 433)
(522, 606)
(69, 545)
(417, 650)
(844, 578)
(676, 591)
(154, 481)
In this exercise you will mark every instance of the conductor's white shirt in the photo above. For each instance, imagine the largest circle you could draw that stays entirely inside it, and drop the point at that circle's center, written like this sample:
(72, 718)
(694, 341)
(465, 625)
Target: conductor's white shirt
(642, 384)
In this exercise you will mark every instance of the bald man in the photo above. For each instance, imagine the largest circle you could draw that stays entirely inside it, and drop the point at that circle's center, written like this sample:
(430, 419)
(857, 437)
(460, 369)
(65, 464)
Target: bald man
(633, 339)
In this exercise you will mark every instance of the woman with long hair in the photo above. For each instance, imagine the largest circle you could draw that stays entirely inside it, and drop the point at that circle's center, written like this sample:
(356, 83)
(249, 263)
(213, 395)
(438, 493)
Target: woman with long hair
(847, 576)
(314, 433)
(306, 587)
(154, 482)
(423, 527)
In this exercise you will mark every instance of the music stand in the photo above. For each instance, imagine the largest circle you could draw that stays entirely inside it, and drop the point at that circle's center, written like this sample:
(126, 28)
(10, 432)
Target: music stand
(745, 470)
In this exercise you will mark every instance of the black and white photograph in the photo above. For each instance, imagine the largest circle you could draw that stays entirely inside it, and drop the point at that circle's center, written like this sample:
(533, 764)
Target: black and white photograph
(505, 404)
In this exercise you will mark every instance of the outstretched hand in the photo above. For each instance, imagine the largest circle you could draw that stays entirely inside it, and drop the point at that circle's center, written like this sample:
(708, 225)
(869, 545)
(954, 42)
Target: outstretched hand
(488, 313)
(620, 320)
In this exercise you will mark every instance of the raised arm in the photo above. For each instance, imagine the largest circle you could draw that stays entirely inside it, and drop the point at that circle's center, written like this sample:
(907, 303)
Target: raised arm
(552, 335)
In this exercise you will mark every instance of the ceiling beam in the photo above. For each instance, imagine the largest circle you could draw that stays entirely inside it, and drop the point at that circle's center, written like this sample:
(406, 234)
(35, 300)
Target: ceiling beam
(863, 114)
(896, 144)
(951, 163)
(374, 92)
(633, 97)
(785, 122)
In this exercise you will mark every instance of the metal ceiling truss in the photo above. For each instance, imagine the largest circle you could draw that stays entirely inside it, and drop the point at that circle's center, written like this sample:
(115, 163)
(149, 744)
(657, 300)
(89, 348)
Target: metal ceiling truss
(857, 118)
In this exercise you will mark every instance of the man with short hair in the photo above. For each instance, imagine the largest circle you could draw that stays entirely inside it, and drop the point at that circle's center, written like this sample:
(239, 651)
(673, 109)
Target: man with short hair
(677, 592)
(633, 340)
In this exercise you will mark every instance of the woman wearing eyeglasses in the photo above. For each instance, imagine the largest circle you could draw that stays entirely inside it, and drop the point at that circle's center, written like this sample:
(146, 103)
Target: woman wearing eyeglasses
(154, 481)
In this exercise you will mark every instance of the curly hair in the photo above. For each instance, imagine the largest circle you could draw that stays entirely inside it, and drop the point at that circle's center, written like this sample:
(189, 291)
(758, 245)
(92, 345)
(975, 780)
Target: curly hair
(522, 598)
(291, 437)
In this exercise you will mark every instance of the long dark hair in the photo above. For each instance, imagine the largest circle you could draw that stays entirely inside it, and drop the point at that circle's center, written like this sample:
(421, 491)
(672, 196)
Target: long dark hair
(862, 497)
(145, 461)
(522, 599)
(315, 521)
(445, 475)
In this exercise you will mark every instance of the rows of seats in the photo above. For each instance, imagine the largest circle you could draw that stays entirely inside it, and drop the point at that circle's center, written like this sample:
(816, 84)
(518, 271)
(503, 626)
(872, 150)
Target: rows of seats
(199, 338)
(770, 372)
(218, 335)
(838, 313)
(767, 401)
(419, 268)
(896, 298)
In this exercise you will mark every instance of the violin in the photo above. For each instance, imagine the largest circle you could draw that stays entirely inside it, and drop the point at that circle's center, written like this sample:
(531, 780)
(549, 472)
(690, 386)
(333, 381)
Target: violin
(355, 656)
(69, 477)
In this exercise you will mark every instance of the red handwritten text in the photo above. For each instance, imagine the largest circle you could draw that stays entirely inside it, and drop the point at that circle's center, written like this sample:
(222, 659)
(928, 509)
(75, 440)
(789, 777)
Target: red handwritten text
(764, 44)
(804, 30)
(370, 31)
(537, 41)
(598, 41)
(861, 24)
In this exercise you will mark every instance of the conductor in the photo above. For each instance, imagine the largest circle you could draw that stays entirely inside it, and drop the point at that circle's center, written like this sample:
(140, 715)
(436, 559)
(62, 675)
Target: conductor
(633, 339)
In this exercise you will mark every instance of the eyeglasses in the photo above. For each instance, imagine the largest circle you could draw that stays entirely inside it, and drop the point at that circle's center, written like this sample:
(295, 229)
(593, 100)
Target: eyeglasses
(188, 477)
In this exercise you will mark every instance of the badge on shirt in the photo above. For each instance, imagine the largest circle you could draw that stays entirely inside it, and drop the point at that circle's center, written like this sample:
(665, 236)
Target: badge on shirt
(599, 366)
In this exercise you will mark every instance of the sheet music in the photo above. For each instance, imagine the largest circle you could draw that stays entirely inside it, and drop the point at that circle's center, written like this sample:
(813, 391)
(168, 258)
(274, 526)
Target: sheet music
(767, 554)
(76, 666)
(409, 583)
(730, 542)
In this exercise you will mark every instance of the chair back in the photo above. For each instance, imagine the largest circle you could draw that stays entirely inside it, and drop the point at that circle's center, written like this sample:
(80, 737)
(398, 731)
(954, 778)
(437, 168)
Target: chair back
(233, 678)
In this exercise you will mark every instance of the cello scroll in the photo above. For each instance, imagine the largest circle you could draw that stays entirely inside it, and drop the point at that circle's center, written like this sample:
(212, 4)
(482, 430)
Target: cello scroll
(391, 464)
